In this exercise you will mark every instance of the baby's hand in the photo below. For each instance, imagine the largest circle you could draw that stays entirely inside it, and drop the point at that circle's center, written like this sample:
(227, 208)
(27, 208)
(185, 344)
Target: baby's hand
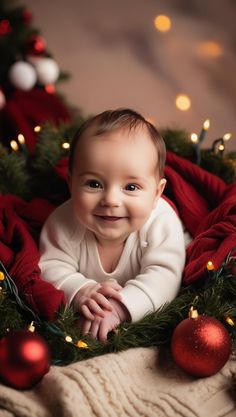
(100, 327)
(89, 302)
(110, 289)
(91, 299)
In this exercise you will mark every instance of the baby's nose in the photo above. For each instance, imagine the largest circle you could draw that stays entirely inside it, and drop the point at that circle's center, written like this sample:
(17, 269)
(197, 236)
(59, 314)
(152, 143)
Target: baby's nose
(111, 197)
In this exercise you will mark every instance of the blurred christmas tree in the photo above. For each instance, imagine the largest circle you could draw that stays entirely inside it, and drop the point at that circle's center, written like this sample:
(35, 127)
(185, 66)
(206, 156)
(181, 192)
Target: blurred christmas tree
(28, 78)
(36, 125)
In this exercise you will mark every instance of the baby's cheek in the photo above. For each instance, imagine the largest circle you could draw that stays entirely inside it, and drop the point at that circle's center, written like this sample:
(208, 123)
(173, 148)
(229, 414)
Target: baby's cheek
(82, 201)
(140, 214)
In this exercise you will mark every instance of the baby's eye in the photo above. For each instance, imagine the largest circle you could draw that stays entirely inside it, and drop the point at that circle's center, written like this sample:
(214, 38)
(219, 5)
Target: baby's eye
(93, 184)
(132, 187)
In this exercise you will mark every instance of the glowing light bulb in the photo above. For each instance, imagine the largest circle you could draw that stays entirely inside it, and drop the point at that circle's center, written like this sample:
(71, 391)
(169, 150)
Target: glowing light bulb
(227, 136)
(21, 139)
(183, 102)
(210, 266)
(65, 145)
(221, 147)
(37, 129)
(14, 145)
(68, 339)
(194, 137)
(206, 124)
(82, 345)
(162, 23)
(229, 321)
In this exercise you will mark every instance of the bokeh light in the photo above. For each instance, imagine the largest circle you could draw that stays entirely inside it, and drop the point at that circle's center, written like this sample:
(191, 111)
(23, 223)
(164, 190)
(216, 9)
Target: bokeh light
(65, 145)
(162, 23)
(14, 145)
(210, 49)
(227, 136)
(194, 137)
(183, 102)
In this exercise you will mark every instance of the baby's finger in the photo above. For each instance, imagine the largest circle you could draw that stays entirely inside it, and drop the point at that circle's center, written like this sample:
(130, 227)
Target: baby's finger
(95, 308)
(112, 283)
(102, 301)
(110, 292)
(103, 332)
(86, 312)
(116, 286)
(95, 327)
(86, 326)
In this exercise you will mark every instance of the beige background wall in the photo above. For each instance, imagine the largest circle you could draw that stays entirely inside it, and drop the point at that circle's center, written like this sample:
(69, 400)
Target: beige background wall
(117, 58)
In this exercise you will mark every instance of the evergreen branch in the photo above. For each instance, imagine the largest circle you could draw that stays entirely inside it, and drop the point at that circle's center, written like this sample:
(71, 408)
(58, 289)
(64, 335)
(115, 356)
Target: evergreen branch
(214, 297)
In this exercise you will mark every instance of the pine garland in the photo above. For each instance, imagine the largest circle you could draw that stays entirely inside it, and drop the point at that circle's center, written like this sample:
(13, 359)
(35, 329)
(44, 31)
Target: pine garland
(216, 297)
(178, 142)
(14, 178)
(26, 176)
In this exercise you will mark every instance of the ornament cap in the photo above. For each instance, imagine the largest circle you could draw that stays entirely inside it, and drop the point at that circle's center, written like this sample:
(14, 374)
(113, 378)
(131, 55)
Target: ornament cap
(193, 314)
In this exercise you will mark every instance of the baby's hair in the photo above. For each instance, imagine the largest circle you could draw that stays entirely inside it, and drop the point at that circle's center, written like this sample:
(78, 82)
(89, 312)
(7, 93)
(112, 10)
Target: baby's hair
(110, 120)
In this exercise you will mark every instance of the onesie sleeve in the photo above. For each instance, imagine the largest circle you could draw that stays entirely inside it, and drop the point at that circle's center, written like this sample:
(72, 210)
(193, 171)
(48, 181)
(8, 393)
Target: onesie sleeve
(161, 269)
(59, 248)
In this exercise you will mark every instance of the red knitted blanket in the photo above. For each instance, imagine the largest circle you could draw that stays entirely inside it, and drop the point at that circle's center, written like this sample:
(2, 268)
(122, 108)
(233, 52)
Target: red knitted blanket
(206, 205)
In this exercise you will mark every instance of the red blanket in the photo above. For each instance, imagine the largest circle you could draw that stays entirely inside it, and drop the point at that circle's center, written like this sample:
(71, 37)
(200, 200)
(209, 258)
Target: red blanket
(206, 205)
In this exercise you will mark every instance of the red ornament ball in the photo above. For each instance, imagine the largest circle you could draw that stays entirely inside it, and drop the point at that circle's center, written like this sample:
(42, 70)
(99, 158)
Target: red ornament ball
(24, 359)
(36, 45)
(201, 346)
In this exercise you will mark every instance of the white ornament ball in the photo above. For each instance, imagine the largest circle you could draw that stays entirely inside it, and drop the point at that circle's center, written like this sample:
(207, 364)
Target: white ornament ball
(47, 70)
(22, 75)
(2, 99)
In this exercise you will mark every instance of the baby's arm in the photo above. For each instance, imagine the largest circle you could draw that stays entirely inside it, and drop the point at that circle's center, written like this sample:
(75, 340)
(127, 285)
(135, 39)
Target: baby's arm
(59, 265)
(162, 265)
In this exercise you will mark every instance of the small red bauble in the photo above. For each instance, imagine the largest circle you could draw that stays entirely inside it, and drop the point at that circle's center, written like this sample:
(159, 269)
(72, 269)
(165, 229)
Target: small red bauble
(200, 345)
(36, 45)
(24, 359)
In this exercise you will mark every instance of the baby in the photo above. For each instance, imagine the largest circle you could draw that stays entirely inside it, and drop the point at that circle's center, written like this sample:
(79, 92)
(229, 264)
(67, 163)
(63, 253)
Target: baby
(116, 247)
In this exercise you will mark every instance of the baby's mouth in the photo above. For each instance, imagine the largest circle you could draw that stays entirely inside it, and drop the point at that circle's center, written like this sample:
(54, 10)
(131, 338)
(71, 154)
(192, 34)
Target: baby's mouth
(109, 218)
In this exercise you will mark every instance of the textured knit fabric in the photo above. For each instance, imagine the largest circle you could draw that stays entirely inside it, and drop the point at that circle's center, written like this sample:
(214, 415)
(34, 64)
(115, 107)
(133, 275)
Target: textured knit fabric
(138, 382)
(150, 267)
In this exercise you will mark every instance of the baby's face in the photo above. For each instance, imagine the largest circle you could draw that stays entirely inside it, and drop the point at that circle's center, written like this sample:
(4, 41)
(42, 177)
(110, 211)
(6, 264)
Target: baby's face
(114, 184)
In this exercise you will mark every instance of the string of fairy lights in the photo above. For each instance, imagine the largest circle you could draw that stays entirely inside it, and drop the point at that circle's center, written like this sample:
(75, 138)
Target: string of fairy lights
(8, 284)
(217, 147)
(20, 145)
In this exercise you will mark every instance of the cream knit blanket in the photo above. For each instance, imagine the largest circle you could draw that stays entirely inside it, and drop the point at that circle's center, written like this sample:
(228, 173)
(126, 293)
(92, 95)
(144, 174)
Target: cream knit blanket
(136, 383)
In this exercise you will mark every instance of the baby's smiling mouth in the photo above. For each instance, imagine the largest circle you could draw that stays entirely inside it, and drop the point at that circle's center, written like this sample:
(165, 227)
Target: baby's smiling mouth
(109, 218)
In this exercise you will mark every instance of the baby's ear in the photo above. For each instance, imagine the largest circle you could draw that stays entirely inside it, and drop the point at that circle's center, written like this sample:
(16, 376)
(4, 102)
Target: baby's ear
(160, 189)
